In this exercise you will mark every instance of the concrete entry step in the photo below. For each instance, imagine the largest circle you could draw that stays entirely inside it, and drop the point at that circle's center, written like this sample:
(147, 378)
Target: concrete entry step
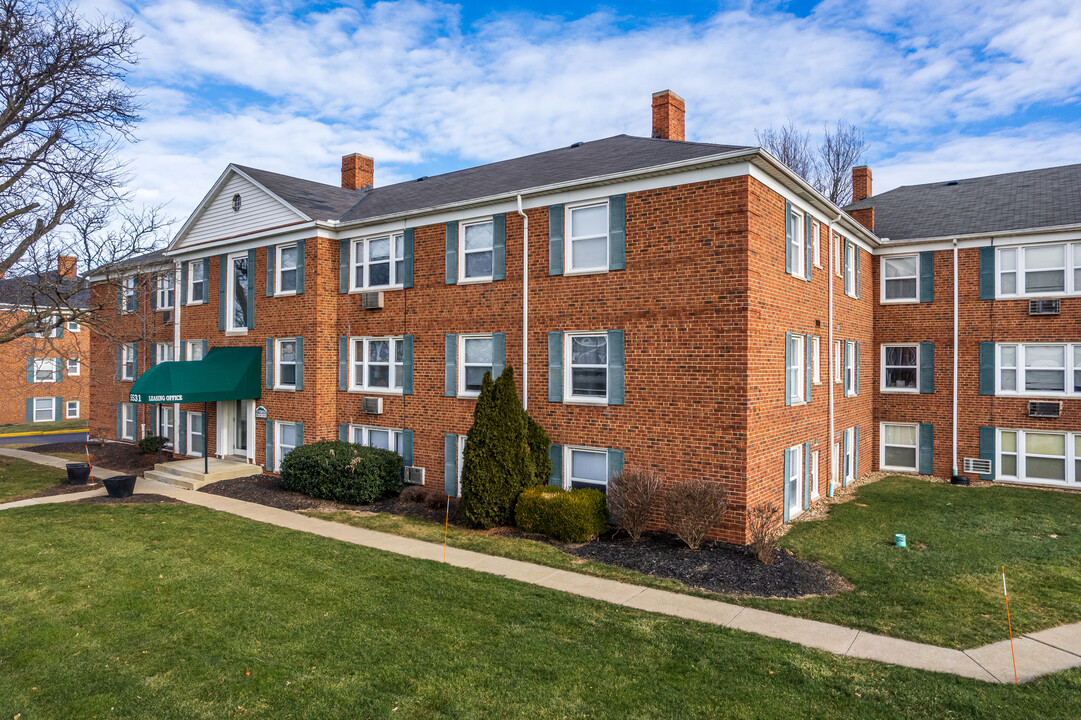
(188, 474)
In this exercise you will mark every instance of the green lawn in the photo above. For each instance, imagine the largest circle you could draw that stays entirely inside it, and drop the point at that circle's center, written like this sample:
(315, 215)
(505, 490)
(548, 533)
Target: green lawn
(44, 426)
(946, 588)
(19, 478)
(180, 612)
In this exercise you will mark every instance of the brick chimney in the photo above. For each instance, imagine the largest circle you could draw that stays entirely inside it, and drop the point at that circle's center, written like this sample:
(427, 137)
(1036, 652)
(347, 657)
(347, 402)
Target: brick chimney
(358, 172)
(668, 112)
(66, 266)
(861, 183)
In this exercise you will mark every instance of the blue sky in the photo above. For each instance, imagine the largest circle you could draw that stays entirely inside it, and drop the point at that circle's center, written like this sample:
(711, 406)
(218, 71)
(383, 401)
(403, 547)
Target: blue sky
(941, 89)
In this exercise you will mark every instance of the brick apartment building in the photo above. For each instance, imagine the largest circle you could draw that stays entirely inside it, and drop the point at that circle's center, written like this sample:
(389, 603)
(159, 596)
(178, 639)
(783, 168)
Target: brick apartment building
(44, 376)
(694, 308)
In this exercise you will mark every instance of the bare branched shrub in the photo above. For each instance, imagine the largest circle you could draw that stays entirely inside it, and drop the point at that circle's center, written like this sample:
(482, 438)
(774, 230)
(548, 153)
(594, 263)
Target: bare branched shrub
(763, 522)
(414, 494)
(632, 495)
(693, 508)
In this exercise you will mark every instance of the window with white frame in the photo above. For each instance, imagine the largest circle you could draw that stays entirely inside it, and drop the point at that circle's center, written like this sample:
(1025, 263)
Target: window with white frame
(46, 370)
(44, 409)
(461, 461)
(285, 440)
(794, 481)
(585, 468)
(900, 446)
(127, 361)
(838, 360)
(814, 475)
(129, 294)
(71, 410)
(476, 245)
(816, 362)
(816, 243)
(850, 456)
(196, 433)
(378, 262)
(850, 368)
(73, 327)
(586, 364)
(1036, 270)
(194, 349)
(285, 372)
(377, 364)
(587, 237)
(285, 269)
(476, 353)
(795, 368)
(901, 368)
(1050, 458)
(238, 288)
(850, 269)
(1039, 369)
(165, 291)
(901, 279)
(165, 424)
(380, 437)
(838, 254)
(163, 352)
(74, 366)
(797, 240)
(196, 282)
(127, 421)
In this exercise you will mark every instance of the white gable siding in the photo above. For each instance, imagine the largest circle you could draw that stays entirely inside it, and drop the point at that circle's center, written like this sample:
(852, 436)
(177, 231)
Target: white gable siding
(258, 211)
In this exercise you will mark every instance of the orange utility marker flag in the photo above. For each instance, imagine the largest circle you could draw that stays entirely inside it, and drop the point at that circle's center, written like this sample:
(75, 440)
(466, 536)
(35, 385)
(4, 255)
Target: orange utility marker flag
(446, 528)
(1008, 625)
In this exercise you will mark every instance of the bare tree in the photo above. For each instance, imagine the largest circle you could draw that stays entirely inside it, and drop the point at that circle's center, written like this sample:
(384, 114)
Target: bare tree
(792, 147)
(64, 113)
(841, 148)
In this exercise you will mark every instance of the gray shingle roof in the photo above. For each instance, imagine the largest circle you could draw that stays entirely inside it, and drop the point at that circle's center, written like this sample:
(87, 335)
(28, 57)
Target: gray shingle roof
(151, 258)
(44, 290)
(1048, 197)
(318, 201)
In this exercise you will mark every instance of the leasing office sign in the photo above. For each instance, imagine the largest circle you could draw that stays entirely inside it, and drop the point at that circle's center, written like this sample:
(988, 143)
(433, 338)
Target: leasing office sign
(140, 398)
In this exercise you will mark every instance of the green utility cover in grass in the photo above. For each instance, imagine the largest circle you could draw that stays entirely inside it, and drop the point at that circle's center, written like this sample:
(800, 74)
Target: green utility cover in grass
(231, 373)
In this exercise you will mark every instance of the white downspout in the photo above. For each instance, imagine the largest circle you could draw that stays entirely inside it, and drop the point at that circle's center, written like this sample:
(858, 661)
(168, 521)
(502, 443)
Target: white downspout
(525, 305)
(177, 277)
(830, 351)
(955, 333)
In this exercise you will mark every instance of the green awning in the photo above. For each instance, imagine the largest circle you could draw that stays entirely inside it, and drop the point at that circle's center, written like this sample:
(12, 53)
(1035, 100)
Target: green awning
(229, 373)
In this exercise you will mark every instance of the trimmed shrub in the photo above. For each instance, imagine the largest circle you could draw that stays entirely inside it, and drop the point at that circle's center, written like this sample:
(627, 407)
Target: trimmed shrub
(496, 464)
(764, 525)
(632, 496)
(539, 443)
(152, 444)
(577, 516)
(414, 494)
(693, 508)
(341, 471)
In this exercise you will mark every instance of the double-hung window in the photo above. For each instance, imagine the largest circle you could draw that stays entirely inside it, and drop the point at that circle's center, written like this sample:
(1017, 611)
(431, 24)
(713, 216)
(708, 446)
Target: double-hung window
(378, 437)
(476, 248)
(850, 368)
(816, 362)
(794, 480)
(1042, 457)
(194, 349)
(587, 468)
(1037, 270)
(163, 352)
(129, 294)
(838, 360)
(71, 410)
(165, 291)
(586, 365)
(238, 288)
(196, 282)
(44, 409)
(46, 370)
(851, 258)
(795, 368)
(127, 361)
(900, 368)
(900, 446)
(285, 440)
(901, 279)
(378, 262)
(165, 424)
(1039, 369)
(838, 254)
(476, 353)
(797, 250)
(377, 364)
(195, 433)
(127, 421)
(587, 238)
(285, 374)
(73, 327)
(286, 269)
(74, 366)
(816, 242)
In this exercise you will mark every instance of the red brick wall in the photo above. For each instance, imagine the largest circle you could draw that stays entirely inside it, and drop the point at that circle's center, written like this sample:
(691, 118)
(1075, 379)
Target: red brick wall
(14, 388)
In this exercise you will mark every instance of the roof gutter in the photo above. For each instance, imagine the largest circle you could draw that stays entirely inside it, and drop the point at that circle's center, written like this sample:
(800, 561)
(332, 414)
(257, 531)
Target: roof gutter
(1076, 227)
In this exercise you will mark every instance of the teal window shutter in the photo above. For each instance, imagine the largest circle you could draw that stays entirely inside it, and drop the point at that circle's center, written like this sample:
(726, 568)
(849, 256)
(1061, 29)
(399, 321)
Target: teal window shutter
(300, 266)
(789, 258)
(987, 450)
(119, 421)
(182, 433)
(927, 368)
(343, 363)
(856, 453)
(136, 303)
(407, 259)
(987, 273)
(343, 432)
(787, 364)
(251, 289)
(119, 364)
(927, 276)
(617, 232)
(555, 239)
(271, 253)
(30, 412)
(555, 366)
(206, 346)
(857, 369)
(616, 362)
(615, 462)
(450, 465)
(30, 370)
(300, 434)
(152, 356)
(808, 241)
(269, 459)
(784, 484)
(927, 449)
(300, 363)
(407, 365)
(184, 283)
(808, 367)
(987, 368)
(859, 263)
(450, 365)
(452, 253)
(135, 359)
(555, 454)
(407, 447)
(120, 297)
(269, 363)
(499, 247)
(806, 475)
(499, 353)
(343, 266)
(59, 369)
(60, 330)
(223, 280)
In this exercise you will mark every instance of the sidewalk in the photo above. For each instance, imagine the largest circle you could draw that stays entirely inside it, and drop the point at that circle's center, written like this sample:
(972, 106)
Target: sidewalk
(1038, 654)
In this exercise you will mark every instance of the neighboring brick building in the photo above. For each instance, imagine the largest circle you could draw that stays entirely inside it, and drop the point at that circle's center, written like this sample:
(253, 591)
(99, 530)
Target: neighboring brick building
(693, 308)
(44, 376)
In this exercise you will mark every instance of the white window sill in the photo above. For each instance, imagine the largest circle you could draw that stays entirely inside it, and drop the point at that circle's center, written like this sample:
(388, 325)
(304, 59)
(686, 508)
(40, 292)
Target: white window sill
(1036, 296)
(890, 468)
(901, 391)
(373, 391)
(1037, 396)
(899, 301)
(381, 288)
(287, 293)
(474, 281)
(585, 401)
(285, 388)
(192, 303)
(236, 333)
(468, 396)
(586, 271)
(127, 379)
(797, 403)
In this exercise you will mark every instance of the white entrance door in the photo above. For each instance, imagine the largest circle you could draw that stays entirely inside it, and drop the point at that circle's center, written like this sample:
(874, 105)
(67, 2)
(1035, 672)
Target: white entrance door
(236, 428)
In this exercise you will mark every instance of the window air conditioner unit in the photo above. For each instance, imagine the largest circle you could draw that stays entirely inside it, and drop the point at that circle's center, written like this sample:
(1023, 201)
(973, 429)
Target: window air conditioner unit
(1044, 408)
(413, 475)
(977, 466)
(372, 405)
(372, 300)
(1043, 307)
(167, 317)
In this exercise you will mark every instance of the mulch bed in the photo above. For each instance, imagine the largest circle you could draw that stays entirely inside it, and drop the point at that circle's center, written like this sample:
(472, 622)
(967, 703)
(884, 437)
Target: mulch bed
(121, 457)
(64, 489)
(720, 567)
(267, 490)
(137, 499)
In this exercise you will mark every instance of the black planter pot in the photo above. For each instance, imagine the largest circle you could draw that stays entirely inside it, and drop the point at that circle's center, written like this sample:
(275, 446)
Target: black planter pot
(78, 473)
(121, 486)
(959, 480)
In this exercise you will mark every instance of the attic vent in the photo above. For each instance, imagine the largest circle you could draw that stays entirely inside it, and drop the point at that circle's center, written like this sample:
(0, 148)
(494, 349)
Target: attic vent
(577, 144)
(954, 182)
(977, 466)
(422, 178)
(236, 203)
(1044, 408)
(1043, 307)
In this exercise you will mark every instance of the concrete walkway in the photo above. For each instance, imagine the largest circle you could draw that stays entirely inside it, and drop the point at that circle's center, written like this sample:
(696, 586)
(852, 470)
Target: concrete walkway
(1038, 654)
